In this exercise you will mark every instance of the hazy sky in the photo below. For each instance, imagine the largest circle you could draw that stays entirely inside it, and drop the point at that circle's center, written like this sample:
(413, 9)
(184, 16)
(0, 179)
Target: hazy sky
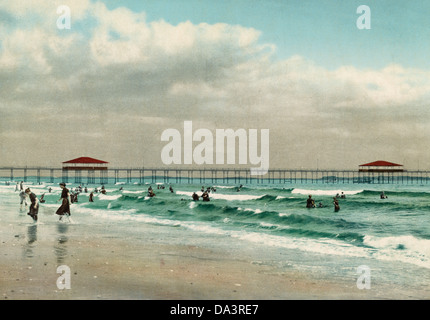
(331, 94)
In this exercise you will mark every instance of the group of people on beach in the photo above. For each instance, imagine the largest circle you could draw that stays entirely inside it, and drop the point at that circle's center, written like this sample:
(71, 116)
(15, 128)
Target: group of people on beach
(34, 206)
(205, 194)
(151, 191)
(195, 196)
(71, 196)
(310, 203)
(67, 197)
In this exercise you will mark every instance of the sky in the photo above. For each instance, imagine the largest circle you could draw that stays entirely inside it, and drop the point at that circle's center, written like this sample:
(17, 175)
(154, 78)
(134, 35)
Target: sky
(333, 96)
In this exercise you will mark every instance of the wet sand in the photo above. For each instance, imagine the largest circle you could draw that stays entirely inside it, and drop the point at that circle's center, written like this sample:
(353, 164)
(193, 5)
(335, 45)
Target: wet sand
(107, 265)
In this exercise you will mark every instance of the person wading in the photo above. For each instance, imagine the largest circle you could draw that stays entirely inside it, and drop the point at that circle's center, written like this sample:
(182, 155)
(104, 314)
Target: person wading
(64, 209)
(34, 207)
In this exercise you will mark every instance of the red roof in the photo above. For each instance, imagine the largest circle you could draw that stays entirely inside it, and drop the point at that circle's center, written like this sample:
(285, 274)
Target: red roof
(381, 163)
(85, 160)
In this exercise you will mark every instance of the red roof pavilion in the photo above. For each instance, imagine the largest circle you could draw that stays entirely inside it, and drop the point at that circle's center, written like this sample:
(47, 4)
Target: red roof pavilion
(85, 163)
(381, 166)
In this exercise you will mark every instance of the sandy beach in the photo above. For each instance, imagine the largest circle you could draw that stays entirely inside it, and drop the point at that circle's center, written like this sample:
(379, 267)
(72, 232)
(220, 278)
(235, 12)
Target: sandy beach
(105, 265)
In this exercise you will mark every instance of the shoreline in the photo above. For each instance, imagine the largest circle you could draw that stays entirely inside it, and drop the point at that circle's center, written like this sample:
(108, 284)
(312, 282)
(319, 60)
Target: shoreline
(106, 265)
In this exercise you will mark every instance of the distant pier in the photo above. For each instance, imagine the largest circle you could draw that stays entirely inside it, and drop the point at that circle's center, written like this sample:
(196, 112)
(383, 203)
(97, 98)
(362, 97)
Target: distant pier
(209, 175)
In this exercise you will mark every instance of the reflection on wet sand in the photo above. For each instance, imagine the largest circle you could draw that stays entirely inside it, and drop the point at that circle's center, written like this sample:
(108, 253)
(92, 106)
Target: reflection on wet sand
(60, 247)
(31, 239)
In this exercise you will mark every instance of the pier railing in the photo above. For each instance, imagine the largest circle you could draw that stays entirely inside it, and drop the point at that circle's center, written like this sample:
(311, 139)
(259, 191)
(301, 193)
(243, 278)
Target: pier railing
(209, 175)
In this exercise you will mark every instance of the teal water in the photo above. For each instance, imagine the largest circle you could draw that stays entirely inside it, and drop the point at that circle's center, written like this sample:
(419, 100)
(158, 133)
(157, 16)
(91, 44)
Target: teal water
(391, 236)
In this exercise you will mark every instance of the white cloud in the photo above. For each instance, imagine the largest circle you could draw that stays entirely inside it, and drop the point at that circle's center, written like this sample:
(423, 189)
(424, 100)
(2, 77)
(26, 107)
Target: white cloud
(147, 76)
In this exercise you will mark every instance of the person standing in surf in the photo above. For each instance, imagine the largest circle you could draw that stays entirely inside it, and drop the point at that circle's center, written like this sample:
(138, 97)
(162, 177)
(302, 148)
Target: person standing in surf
(205, 196)
(23, 197)
(310, 203)
(64, 209)
(336, 204)
(34, 207)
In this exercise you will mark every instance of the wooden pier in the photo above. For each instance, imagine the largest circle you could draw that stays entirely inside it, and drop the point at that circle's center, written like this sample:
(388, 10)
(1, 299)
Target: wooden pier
(209, 175)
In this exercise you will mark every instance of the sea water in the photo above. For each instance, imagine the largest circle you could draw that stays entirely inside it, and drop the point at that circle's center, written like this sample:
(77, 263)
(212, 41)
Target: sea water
(270, 223)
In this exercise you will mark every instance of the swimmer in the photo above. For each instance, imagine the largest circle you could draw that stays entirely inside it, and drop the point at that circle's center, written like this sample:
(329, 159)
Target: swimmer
(195, 197)
(34, 207)
(336, 205)
(310, 203)
(205, 196)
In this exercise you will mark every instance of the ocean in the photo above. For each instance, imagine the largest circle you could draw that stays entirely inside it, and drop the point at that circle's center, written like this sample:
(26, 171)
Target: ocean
(270, 223)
